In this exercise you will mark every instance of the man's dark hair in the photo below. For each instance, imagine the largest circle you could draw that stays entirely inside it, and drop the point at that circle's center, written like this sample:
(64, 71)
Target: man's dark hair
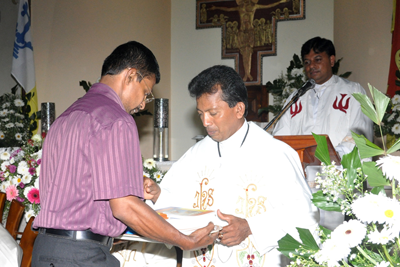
(232, 86)
(131, 55)
(318, 45)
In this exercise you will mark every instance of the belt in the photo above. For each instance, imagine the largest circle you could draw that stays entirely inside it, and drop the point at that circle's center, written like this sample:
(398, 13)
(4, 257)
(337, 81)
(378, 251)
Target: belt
(86, 235)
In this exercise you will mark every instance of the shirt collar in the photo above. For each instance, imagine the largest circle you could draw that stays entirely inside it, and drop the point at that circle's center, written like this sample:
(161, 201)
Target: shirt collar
(235, 141)
(320, 88)
(103, 89)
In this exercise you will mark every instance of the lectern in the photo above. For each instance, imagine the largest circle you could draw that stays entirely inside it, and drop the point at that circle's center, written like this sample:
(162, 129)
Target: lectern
(305, 146)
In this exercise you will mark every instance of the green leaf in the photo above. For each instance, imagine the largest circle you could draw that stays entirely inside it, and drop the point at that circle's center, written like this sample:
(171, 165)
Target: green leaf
(351, 162)
(307, 239)
(326, 231)
(322, 151)
(367, 107)
(395, 147)
(320, 201)
(366, 148)
(375, 175)
(288, 244)
(380, 100)
(378, 190)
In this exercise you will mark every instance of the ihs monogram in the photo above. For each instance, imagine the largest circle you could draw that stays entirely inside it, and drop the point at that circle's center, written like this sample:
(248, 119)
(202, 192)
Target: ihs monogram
(250, 206)
(204, 198)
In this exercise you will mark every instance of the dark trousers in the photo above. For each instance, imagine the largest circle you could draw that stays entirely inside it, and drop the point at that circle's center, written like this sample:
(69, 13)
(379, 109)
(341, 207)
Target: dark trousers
(55, 251)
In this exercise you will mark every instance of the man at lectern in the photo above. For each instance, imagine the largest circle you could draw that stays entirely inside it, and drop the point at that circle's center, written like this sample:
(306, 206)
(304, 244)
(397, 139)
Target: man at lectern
(255, 181)
(329, 108)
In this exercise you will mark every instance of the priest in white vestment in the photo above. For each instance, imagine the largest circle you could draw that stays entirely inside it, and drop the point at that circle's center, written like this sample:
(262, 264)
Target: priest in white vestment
(329, 108)
(255, 181)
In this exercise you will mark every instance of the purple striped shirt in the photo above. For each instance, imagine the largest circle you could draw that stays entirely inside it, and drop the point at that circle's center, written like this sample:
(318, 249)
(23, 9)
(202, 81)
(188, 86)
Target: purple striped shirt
(90, 155)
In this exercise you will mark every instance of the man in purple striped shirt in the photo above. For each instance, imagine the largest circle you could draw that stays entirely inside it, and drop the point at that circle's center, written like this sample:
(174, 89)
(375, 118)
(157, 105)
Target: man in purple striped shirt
(92, 179)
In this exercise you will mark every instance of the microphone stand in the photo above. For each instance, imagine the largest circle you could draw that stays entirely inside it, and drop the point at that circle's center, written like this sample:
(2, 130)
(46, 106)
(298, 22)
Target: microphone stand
(294, 99)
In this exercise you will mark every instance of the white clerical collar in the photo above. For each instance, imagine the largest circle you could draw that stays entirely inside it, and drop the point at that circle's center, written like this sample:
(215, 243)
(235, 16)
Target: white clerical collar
(320, 88)
(235, 141)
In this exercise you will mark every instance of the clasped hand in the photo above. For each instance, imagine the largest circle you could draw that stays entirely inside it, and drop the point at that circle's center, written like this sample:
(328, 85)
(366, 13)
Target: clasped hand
(235, 232)
(151, 189)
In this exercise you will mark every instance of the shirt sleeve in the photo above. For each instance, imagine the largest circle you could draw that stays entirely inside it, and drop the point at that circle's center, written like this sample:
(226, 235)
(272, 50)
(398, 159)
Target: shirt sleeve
(117, 163)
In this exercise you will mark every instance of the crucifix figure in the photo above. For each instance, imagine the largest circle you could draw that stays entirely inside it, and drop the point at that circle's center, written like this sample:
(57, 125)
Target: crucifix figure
(246, 9)
(248, 34)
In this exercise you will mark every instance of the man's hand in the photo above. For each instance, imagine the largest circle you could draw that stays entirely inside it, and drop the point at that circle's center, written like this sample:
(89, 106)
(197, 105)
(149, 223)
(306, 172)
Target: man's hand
(151, 189)
(201, 238)
(237, 230)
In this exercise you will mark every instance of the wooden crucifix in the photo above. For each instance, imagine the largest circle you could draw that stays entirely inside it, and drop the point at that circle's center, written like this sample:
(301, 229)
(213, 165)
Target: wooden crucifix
(248, 29)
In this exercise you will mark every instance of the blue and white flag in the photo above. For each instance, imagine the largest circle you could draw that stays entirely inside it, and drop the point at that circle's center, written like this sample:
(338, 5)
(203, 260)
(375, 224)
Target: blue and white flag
(23, 67)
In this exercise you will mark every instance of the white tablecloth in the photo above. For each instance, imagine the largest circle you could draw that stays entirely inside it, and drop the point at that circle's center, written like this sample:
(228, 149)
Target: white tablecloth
(10, 251)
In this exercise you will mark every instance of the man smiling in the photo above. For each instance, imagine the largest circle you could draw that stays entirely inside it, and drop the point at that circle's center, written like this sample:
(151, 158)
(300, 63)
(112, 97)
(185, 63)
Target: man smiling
(241, 171)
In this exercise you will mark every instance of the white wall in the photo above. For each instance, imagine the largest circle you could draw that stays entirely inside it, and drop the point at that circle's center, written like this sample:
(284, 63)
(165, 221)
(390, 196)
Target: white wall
(195, 50)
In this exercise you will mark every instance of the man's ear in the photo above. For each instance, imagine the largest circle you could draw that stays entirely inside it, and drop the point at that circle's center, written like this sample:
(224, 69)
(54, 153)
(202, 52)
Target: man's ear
(332, 60)
(240, 109)
(130, 75)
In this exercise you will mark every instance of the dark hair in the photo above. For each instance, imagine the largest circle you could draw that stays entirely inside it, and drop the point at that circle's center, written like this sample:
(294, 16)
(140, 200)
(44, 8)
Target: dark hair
(319, 45)
(232, 86)
(131, 55)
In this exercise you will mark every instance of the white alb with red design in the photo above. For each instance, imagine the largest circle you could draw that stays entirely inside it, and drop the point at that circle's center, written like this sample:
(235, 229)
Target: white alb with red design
(328, 109)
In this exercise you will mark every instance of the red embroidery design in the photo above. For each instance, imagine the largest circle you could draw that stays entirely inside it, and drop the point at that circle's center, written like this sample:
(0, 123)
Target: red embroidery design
(296, 110)
(341, 107)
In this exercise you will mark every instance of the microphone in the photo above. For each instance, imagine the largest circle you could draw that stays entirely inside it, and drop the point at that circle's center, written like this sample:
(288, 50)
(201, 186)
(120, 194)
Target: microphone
(307, 86)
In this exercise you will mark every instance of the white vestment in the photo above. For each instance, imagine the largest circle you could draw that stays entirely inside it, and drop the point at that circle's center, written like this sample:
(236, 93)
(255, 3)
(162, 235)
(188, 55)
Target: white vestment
(328, 109)
(250, 175)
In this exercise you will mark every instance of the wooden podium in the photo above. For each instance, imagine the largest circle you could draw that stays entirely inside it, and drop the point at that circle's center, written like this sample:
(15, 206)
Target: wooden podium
(305, 146)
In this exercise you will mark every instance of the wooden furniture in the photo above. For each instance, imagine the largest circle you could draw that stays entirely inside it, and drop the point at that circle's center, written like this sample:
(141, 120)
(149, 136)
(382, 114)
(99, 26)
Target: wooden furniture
(26, 243)
(305, 146)
(2, 203)
(14, 218)
(257, 97)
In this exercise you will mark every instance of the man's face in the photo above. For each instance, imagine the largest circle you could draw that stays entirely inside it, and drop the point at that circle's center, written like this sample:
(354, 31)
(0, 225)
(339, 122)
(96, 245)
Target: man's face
(318, 66)
(220, 121)
(134, 96)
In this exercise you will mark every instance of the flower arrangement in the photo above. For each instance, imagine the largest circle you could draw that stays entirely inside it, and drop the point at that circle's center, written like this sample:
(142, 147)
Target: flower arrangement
(16, 126)
(288, 83)
(19, 176)
(391, 119)
(151, 171)
(371, 235)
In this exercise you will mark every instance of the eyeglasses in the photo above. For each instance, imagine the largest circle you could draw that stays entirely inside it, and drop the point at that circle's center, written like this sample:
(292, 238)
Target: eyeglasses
(149, 96)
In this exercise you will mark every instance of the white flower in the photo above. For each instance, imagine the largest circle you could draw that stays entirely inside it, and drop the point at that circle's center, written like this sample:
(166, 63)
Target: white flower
(18, 103)
(36, 184)
(389, 212)
(396, 107)
(4, 185)
(332, 252)
(5, 155)
(366, 208)
(391, 117)
(18, 136)
(9, 125)
(383, 237)
(16, 180)
(145, 174)
(23, 168)
(37, 138)
(382, 264)
(6, 119)
(297, 72)
(3, 113)
(390, 166)
(2, 135)
(395, 128)
(149, 163)
(350, 233)
(396, 99)
(4, 165)
(38, 172)
(18, 124)
(26, 178)
(5, 105)
(29, 214)
(11, 111)
(158, 175)
(19, 115)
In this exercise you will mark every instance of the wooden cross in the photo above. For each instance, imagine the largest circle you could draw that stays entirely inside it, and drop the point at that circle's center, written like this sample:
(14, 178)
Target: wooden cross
(248, 29)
